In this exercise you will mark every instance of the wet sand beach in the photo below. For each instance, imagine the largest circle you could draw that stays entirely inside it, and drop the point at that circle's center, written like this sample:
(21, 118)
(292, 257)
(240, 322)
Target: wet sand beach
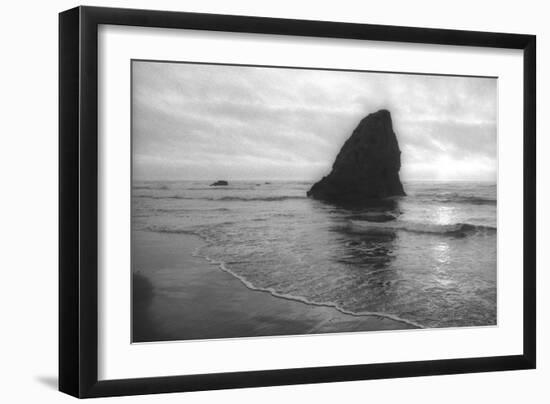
(180, 296)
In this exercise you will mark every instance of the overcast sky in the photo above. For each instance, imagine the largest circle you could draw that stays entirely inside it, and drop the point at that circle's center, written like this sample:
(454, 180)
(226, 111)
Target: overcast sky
(230, 122)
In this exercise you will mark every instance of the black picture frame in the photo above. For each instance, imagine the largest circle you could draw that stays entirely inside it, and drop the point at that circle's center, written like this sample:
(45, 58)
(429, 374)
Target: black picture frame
(78, 200)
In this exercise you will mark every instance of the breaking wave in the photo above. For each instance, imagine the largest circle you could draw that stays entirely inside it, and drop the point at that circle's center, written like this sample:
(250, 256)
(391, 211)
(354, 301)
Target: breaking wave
(457, 198)
(457, 229)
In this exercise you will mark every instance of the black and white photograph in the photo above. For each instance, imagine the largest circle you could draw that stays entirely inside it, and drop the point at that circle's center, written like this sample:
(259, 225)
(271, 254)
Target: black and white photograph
(246, 202)
(273, 201)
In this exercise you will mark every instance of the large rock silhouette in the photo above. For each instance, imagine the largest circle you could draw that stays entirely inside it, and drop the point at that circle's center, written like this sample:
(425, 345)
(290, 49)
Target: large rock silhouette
(367, 167)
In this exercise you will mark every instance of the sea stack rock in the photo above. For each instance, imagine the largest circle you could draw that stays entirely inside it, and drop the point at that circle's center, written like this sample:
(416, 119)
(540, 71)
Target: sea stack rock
(219, 183)
(367, 167)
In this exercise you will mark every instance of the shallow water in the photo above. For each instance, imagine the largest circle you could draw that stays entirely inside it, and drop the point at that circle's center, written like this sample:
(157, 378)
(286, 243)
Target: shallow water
(434, 266)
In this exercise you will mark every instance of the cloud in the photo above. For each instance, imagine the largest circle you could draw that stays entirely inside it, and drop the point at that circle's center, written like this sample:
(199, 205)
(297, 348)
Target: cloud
(193, 121)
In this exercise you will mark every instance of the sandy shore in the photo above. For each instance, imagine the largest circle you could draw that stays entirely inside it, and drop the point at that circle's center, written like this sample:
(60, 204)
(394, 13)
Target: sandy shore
(178, 297)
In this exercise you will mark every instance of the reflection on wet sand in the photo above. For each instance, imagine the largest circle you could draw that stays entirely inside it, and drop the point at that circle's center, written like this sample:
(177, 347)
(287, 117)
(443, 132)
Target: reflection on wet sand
(143, 294)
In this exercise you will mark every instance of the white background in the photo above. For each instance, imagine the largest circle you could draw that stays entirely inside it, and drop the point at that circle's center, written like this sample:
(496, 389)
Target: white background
(120, 360)
(28, 165)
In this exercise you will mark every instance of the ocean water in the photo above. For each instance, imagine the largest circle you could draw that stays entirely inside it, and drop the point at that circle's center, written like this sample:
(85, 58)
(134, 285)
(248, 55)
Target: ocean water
(433, 266)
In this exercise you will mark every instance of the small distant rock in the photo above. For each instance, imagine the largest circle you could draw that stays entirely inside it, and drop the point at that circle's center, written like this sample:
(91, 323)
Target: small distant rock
(219, 183)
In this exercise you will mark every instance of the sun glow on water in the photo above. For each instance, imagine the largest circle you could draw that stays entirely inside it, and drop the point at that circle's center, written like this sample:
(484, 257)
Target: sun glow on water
(444, 215)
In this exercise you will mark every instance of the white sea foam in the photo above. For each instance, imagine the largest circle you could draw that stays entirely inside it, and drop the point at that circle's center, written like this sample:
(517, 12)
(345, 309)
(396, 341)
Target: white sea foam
(223, 266)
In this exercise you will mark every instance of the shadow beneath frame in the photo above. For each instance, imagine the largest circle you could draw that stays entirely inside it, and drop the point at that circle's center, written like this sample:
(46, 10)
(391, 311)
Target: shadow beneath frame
(48, 381)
